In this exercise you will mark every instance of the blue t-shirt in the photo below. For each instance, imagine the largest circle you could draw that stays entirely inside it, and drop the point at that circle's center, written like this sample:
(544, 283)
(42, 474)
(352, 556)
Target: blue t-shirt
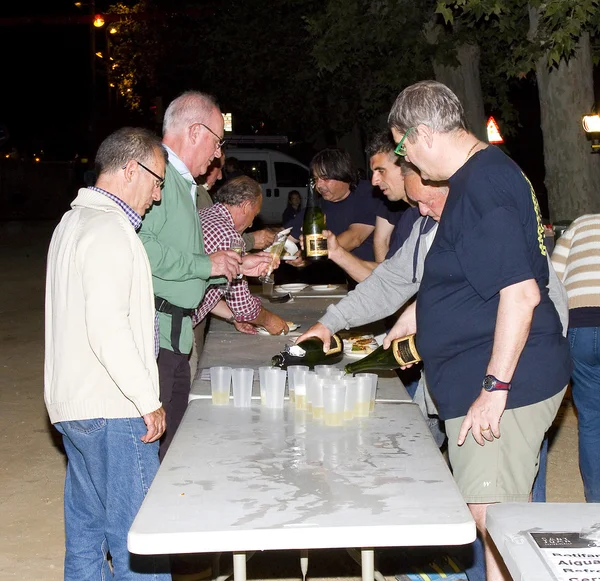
(490, 237)
(360, 207)
(403, 229)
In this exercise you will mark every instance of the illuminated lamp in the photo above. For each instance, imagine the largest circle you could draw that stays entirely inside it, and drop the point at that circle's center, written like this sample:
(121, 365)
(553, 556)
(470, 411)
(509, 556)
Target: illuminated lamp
(98, 21)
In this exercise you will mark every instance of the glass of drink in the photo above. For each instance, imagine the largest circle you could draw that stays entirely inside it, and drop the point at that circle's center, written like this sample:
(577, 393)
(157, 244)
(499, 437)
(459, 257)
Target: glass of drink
(276, 250)
(236, 245)
(334, 398)
(220, 382)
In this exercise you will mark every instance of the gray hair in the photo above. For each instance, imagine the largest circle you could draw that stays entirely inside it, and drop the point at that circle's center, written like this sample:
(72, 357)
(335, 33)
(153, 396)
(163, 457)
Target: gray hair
(124, 145)
(189, 108)
(238, 190)
(428, 103)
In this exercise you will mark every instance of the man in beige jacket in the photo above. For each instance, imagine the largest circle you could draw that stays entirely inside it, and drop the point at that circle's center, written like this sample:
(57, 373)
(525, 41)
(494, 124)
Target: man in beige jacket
(100, 373)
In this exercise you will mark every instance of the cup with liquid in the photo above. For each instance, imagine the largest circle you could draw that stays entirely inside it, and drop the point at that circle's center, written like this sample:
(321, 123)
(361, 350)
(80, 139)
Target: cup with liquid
(334, 399)
(220, 385)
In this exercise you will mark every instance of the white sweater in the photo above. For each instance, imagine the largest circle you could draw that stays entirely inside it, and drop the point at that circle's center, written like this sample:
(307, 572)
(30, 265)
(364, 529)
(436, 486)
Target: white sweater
(99, 359)
(576, 259)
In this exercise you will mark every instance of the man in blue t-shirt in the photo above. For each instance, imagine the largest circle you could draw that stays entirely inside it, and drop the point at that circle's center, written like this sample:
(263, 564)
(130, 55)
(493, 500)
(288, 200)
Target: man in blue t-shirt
(350, 206)
(489, 336)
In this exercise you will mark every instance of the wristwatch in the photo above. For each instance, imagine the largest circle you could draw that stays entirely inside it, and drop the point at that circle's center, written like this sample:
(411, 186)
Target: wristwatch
(231, 320)
(491, 383)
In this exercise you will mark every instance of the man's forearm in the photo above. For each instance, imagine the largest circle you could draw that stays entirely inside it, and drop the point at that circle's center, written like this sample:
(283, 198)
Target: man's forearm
(513, 322)
(357, 268)
(354, 236)
(222, 310)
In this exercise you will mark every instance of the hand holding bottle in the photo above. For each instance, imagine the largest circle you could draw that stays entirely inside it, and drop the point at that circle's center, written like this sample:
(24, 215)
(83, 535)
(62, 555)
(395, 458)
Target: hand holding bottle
(318, 330)
(405, 325)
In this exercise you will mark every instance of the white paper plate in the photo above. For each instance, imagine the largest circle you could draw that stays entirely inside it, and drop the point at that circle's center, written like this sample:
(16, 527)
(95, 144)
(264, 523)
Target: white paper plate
(324, 287)
(295, 287)
(292, 327)
(362, 353)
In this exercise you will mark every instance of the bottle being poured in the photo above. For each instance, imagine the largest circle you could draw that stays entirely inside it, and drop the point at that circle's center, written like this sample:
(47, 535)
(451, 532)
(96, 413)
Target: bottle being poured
(309, 352)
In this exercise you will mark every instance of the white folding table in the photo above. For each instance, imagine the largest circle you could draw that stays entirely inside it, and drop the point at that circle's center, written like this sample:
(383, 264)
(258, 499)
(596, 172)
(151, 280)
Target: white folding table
(242, 480)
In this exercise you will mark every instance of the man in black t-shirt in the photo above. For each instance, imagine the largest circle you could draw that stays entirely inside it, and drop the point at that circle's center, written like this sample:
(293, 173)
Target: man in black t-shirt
(488, 333)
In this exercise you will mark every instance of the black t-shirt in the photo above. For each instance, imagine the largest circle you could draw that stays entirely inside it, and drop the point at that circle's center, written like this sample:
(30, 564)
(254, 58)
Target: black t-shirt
(360, 207)
(403, 229)
(490, 237)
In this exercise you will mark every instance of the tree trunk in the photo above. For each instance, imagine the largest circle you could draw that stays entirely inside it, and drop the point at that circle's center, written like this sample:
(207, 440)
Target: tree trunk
(566, 93)
(465, 82)
(352, 142)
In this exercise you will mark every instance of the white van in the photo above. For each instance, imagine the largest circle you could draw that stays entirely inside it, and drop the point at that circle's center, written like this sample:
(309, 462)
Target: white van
(277, 173)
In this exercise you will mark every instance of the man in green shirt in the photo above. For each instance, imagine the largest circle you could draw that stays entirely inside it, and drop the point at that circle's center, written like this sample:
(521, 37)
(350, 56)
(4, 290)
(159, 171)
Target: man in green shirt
(172, 236)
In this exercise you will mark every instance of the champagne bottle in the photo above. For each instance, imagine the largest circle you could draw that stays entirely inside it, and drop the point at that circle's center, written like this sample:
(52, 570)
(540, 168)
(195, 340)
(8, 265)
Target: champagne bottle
(309, 352)
(400, 353)
(315, 245)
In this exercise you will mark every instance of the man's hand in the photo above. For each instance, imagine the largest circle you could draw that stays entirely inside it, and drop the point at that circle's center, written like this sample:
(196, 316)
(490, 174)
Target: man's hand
(245, 328)
(274, 324)
(263, 238)
(333, 246)
(483, 417)
(225, 263)
(318, 330)
(156, 422)
(405, 325)
(257, 264)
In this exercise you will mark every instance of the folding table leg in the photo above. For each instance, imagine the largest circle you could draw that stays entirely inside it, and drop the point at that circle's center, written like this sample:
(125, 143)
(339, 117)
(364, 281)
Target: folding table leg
(216, 566)
(368, 564)
(239, 566)
(304, 563)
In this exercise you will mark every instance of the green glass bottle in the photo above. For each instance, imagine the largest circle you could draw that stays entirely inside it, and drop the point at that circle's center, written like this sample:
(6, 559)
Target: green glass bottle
(315, 245)
(400, 353)
(309, 352)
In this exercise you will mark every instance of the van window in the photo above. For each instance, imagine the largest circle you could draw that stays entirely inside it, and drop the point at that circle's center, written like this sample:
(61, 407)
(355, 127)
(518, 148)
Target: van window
(290, 175)
(256, 169)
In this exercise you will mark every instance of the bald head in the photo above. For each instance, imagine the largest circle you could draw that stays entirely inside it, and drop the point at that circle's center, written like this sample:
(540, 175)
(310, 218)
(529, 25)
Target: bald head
(429, 196)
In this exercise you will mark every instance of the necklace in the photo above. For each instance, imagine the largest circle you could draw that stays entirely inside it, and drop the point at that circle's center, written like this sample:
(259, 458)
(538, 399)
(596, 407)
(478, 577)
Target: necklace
(471, 151)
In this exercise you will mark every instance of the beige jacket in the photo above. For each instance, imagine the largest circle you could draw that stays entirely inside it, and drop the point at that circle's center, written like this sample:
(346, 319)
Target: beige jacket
(99, 359)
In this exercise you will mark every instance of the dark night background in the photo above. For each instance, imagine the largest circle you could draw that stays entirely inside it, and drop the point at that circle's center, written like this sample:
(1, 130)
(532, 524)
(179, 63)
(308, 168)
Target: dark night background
(46, 96)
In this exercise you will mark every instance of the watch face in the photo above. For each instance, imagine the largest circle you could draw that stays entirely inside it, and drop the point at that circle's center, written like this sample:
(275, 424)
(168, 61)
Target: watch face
(488, 383)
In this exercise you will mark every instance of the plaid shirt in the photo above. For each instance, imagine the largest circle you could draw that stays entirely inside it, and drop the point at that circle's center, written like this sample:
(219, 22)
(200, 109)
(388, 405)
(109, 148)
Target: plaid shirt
(218, 231)
(136, 221)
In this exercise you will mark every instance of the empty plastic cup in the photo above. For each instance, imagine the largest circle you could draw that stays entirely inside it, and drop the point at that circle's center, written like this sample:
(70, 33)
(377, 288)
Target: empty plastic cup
(242, 386)
(334, 399)
(274, 388)
(220, 384)
(363, 397)
(327, 370)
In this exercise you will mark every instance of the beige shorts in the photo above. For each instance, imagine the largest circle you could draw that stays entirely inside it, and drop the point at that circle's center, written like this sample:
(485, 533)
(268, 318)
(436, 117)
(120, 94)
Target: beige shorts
(502, 470)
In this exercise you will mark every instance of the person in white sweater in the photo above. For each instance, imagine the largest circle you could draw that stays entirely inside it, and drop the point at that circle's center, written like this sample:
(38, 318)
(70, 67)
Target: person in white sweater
(576, 259)
(100, 373)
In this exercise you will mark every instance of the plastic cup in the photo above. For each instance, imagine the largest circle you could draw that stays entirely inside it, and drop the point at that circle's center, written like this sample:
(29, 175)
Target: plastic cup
(267, 288)
(274, 388)
(314, 395)
(334, 399)
(300, 379)
(242, 386)
(261, 382)
(220, 385)
(362, 404)
(327, 370)
(351, 384)
(373, 377)
(292, 370)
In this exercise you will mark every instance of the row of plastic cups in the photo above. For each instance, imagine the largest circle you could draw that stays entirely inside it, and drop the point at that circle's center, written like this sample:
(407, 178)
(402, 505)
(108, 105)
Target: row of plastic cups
(272, 386)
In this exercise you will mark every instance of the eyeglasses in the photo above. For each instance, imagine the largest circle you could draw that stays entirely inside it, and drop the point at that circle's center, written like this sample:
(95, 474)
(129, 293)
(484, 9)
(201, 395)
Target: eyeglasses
(158, 182)
(221, 141)
(401, 148)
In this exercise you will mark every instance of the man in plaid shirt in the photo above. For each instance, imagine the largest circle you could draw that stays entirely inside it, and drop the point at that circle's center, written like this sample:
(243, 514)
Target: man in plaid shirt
(236, 205)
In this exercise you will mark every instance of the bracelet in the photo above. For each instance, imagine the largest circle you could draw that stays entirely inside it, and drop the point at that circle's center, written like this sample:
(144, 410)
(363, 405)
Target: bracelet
(231, 320)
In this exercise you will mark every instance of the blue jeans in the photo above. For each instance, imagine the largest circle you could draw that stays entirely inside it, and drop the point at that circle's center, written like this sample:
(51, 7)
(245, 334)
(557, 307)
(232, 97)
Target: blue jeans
(109, 471)
(585, 382)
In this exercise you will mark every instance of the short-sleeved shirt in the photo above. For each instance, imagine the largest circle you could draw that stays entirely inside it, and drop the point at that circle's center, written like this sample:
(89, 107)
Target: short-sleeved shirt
(490, 237)
(360, 207)
(403, 229)
(391, 211)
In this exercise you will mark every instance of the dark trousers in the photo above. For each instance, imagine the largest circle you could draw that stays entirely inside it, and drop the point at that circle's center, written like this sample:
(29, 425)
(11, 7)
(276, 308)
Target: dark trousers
(175, 383)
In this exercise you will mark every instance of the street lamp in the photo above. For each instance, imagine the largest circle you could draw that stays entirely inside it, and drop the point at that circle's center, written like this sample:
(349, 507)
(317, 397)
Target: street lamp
(591, 125)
